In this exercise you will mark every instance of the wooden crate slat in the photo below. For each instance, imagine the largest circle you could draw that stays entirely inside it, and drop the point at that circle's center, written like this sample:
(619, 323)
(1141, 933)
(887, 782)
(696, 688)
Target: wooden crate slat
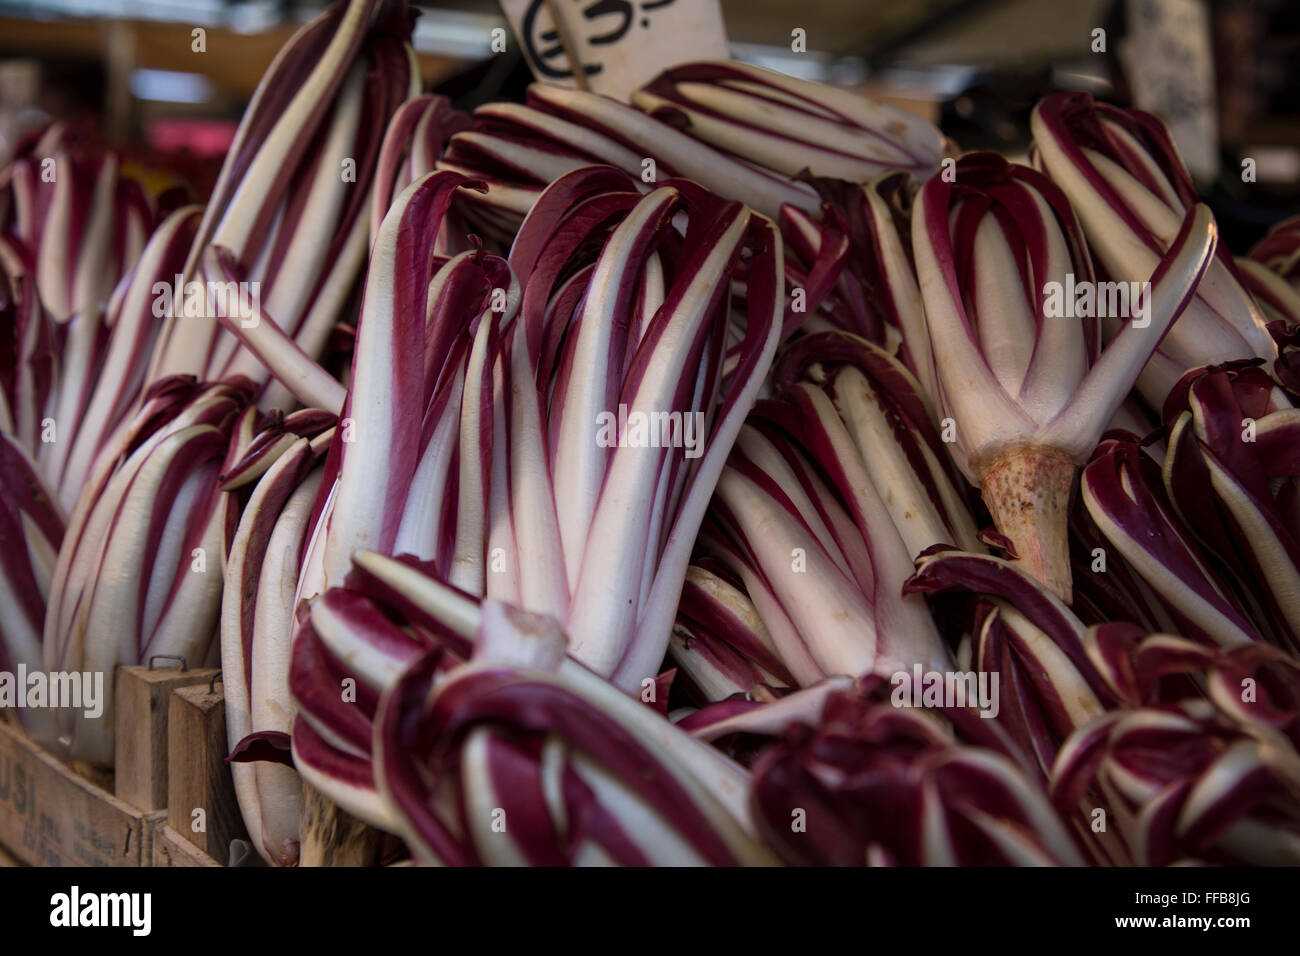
(141, 710)
(50, 816)
(170, 848)
(198, 776)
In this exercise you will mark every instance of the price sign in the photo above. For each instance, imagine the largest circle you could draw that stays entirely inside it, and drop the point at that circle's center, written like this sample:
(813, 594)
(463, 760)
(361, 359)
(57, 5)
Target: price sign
(1171, 64)
(614, 46)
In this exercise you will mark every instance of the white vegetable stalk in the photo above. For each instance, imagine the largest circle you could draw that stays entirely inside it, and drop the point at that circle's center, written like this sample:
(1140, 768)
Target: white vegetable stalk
(257, 624)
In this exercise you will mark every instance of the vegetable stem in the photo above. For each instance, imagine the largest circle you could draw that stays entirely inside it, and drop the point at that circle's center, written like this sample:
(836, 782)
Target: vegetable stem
(1027, 490)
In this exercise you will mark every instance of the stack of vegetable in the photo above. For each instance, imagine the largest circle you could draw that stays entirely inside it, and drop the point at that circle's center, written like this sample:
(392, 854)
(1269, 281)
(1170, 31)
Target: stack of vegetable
(610, 483)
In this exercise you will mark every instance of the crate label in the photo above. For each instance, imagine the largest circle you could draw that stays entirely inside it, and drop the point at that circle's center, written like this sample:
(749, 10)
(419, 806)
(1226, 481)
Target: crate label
(51, 817)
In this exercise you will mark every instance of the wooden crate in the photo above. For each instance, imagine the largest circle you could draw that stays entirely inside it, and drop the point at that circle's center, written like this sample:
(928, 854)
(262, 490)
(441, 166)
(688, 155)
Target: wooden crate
(56, 814)
(52, 816)
(141, 710)
(167, 847)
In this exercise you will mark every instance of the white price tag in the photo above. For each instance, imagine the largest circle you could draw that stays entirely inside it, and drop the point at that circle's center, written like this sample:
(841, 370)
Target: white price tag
(618, 45)
(1171, 64)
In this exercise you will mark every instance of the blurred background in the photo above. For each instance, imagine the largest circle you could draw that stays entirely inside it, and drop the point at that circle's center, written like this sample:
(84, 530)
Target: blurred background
(1224, 74)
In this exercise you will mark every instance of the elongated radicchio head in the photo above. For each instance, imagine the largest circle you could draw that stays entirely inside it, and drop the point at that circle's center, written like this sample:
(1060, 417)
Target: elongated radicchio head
(829, 493)
(517, 150)
(507, 760)
(1022, 632)
(489, 745)
(787, 125)
(854, 267)
(82, 220)
(551, 434)
(120, 376)
(1272, 272)
(31, 526)
(1187, 776)
(77, 306)
(285, 233)
(868, 783)
(276, 484)
(414, 140)
(1125, 496)
(1272, 275)
(1131, 191)
(1232, 473)
(27, 374)
(140, 570)
(1280, 249)
(720, 645)
(1018, 370)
